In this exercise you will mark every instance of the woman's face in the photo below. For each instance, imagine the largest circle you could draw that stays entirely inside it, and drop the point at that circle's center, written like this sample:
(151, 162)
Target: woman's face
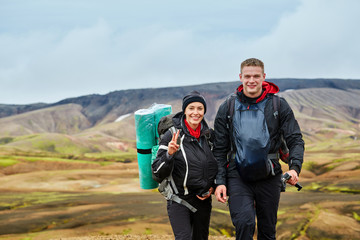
(194, 113)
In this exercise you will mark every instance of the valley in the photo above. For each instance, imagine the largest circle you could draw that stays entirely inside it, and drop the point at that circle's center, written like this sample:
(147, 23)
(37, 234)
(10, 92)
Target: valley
(67, 173)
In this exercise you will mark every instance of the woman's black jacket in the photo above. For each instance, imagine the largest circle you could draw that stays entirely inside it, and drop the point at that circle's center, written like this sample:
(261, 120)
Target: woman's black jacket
(195, 167)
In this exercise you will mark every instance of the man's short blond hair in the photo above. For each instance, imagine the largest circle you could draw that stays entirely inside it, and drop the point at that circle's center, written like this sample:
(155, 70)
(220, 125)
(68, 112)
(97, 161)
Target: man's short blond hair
(252, 62)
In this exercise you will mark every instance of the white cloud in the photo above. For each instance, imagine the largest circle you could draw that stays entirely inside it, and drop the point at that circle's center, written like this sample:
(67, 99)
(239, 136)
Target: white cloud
(99, 59)
(155, 49)
(319, 40)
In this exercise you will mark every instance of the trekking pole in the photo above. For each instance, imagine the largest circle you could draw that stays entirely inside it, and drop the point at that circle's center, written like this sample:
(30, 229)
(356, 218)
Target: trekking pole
(286, 177)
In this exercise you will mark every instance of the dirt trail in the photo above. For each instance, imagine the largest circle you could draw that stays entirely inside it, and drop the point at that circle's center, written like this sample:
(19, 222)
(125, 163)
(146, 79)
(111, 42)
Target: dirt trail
(138, 237)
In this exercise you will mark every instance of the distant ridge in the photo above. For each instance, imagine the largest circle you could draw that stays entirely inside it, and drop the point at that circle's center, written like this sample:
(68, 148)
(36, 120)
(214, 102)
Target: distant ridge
(118, 103)
(90, 124)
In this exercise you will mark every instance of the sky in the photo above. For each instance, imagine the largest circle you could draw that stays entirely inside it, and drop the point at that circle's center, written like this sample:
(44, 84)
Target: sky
(56, 49)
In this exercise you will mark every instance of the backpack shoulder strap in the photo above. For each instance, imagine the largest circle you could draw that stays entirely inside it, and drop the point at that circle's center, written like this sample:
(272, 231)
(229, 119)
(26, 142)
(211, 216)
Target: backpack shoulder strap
(209, 136)
(169, 190)
(174, 130)
(230, 103)
(276, 106)
(283, 151)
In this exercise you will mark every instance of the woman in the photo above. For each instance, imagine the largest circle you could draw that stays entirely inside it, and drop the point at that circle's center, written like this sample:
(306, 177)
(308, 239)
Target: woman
(186, 154)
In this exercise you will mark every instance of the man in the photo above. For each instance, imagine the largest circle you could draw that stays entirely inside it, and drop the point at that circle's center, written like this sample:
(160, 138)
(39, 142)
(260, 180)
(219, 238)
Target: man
(246, 148)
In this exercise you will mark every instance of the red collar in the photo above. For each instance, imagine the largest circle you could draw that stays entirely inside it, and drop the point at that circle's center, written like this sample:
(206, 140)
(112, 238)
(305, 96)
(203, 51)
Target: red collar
(195, 133)
(268, 87)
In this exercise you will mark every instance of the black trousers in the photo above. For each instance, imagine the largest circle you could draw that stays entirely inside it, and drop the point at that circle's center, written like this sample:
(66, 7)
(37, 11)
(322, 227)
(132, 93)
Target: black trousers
(187, 225)
(248, 200)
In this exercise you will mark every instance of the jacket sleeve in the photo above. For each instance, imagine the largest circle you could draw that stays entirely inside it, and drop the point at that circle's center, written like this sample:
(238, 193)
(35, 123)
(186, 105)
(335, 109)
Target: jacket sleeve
(222, 143)
(163, 163)
(292, 135)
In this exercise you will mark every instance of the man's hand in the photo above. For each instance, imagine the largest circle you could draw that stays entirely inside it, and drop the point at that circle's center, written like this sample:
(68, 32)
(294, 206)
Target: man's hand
(220, 193)
(294, 177)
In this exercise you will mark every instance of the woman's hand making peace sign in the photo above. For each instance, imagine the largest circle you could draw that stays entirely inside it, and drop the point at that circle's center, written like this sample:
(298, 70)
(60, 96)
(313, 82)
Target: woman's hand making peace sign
(173, 146)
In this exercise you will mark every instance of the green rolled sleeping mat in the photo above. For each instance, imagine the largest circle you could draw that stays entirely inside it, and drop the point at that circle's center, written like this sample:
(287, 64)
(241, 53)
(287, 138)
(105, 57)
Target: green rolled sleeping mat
(146, 121)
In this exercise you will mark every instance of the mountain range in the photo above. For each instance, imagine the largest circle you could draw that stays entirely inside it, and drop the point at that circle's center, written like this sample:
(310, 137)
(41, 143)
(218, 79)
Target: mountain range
(106, 108)
(92, 121)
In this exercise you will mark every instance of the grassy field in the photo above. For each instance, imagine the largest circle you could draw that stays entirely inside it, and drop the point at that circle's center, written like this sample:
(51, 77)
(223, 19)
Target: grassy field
(55, 198)
(41, 215)
(51, 191)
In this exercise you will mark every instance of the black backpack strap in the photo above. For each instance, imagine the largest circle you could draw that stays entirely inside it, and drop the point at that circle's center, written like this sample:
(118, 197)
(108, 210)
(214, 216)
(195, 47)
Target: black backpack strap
(209, 136)
(276, 106)
(283, 151)
(230, 103)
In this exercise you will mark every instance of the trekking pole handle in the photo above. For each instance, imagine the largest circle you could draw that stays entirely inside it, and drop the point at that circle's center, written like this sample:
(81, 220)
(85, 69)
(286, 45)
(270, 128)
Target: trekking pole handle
(286, 177)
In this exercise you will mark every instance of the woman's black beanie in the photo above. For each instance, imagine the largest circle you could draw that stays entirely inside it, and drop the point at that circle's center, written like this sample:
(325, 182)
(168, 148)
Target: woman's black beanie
(193, 96)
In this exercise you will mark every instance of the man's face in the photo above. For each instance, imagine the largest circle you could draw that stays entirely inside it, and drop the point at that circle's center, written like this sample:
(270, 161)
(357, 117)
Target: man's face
(252, 79)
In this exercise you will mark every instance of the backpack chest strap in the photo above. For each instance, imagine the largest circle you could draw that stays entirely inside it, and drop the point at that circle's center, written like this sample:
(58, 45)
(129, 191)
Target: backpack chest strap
(273, 156)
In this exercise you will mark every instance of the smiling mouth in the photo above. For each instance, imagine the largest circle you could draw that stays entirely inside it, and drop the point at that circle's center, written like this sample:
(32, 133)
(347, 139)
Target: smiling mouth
(195, 118)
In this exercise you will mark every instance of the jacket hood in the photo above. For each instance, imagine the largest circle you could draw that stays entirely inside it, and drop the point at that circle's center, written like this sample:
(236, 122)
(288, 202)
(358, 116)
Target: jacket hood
(268, 87)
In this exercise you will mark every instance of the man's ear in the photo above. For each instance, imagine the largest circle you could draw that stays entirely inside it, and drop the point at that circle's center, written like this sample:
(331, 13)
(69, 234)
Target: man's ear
(240, 77)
